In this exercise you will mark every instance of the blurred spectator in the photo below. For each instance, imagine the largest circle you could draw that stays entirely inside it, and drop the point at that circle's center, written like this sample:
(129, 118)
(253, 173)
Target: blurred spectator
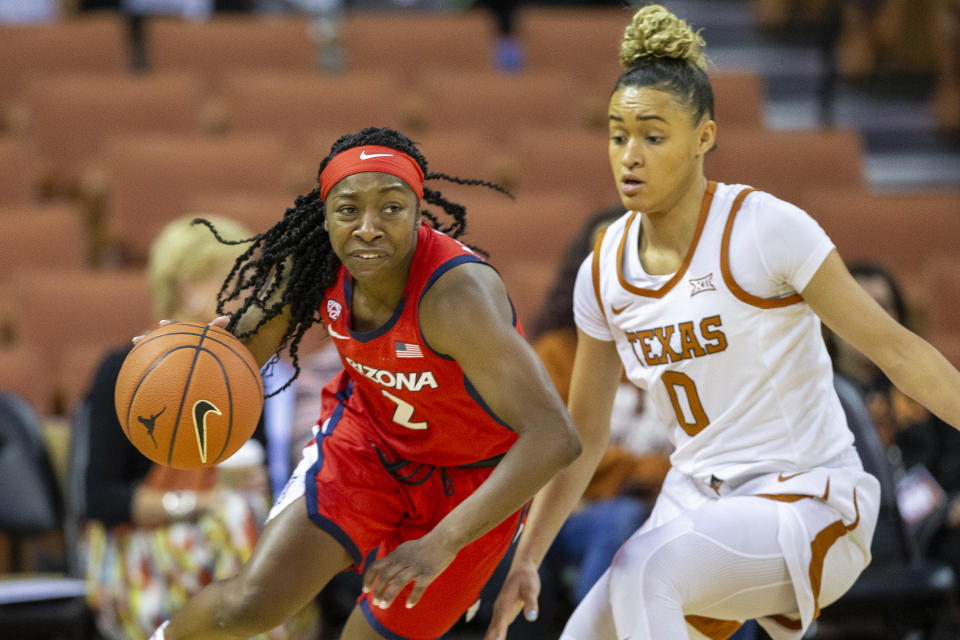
(874, 36)
(155, 534)
(616, 501)
(193, 9)
(32, 12)
(508, 52)
(326, 18)
(924, 451)
(291, 414)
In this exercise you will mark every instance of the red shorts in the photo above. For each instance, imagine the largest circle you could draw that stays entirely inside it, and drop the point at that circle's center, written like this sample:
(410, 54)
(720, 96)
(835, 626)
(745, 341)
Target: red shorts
(351, 495)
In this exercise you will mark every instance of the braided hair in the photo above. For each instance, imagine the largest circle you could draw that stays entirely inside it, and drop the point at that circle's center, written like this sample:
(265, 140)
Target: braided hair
(293, 263)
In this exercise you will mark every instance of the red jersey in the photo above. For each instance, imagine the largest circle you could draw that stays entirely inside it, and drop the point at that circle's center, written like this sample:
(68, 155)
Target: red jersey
(419, 401)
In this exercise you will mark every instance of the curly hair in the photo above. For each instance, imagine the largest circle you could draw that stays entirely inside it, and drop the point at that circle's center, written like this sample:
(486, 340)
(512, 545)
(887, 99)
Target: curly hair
(293, 263)
(662, 51)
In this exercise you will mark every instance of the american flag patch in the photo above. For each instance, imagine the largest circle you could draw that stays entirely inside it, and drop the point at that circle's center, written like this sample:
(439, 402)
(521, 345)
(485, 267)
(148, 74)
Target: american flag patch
(408, 350)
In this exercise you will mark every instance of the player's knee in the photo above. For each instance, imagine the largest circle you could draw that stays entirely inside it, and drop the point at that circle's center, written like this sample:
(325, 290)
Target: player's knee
(647, 567)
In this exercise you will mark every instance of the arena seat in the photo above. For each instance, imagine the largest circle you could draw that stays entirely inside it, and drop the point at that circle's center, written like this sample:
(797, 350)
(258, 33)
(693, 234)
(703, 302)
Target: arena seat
(575, 159)
(39, 236)
(403, 42)
(71, 115)
(23, 372)
(738, 100)
(579, 41)
(57, 308)
(464, 154)
(19, 172)
(494, 103)
(536, 225)
(76, 368)
(257, 210)
(294, 103)
(789, 164)
(95, 43)
(222, 44)
(528, 282)
(151, 177)
(899, 230)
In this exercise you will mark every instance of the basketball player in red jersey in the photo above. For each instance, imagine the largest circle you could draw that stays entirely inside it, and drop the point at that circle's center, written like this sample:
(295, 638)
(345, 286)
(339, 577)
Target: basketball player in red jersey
(440, 428)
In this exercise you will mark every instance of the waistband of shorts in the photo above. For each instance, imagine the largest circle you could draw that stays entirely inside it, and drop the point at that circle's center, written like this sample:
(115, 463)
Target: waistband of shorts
(714, 486)
(486, 463)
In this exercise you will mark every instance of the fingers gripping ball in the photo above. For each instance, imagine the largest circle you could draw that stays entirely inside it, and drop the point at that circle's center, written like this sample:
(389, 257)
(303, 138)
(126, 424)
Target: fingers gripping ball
(189, 395)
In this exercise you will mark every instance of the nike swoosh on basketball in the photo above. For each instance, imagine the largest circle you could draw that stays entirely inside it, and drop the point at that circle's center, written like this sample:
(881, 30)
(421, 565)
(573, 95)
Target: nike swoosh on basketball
(366, 156)
(200, 410)
(784, 478)
(617, 311)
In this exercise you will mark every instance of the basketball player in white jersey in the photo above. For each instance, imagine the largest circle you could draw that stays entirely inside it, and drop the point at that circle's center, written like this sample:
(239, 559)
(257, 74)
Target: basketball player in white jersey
(710, 297)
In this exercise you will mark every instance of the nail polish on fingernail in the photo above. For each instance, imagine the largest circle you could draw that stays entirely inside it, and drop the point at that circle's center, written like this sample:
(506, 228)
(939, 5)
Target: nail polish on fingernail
(531, 615)
(408, 605)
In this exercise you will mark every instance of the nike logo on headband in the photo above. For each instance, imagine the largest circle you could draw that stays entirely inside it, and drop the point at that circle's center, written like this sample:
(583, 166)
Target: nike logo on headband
(366, 156)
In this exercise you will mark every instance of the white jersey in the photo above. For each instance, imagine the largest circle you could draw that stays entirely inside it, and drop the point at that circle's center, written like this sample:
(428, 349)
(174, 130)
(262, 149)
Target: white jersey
(731, 355)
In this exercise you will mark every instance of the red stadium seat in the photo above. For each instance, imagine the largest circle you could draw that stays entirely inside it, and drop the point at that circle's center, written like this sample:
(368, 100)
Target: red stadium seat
(901, 231)
(50, 236)
(151, 178)
(738, 100)
(403, 42)
(568, 160)
(19, 172)
(494, 103)
(295, 103)
(223, 44)
(581, 41)
(23, 372)
(58, 308)
(257, 210)
(528, 283)
(789, 164)
(464, 154)
(76, 368)
(71, 116)
(90, 44)
(537, 225)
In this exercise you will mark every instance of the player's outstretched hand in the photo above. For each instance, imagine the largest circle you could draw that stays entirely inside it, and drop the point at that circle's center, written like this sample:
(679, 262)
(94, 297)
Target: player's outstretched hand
(219, 321)
(519, 593)
(418, 561)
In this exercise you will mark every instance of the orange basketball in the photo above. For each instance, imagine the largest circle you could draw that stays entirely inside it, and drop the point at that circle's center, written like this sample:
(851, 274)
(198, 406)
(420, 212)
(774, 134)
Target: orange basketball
(189, 395)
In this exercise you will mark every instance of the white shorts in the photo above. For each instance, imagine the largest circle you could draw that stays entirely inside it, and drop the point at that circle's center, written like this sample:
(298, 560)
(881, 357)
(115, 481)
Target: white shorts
(776, 547)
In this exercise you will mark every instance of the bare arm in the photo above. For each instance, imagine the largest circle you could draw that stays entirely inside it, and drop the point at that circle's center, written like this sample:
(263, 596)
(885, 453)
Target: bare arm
(265, 342)
(596, 373)
(911, 363)
(467, 316)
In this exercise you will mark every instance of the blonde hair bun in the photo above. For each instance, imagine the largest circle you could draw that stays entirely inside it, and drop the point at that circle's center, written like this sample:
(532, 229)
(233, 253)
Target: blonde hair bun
(655, 32)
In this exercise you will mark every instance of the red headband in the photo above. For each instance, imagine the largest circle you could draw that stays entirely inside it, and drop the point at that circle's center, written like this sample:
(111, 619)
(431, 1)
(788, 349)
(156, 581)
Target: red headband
(371, 158)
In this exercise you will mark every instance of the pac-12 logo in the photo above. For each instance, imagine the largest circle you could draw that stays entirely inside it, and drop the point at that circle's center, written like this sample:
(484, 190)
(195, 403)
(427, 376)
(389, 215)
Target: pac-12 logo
(334, 309)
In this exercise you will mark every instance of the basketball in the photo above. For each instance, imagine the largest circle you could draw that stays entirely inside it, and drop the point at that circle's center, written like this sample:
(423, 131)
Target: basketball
(189, 395)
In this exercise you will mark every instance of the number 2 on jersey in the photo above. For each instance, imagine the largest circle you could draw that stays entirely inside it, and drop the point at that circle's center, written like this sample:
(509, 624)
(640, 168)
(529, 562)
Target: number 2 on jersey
(690, 414)
(404, 413)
